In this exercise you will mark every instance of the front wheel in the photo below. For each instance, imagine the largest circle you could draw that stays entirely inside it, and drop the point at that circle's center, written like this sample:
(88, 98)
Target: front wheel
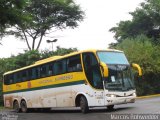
(84, 105)
(23, 106)
(110, 107)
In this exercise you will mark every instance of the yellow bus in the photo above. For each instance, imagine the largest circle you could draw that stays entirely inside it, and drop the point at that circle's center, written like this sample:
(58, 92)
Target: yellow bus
(85, 79)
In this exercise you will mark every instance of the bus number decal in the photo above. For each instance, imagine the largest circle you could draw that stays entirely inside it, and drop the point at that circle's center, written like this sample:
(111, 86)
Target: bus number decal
(45, 81)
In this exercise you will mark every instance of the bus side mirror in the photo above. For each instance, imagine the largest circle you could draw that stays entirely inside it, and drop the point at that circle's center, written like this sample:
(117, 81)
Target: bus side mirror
(104, 69)
(138, 68)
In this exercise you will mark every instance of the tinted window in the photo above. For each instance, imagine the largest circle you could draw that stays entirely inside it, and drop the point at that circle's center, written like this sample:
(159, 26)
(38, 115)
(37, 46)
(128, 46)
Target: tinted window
(38, 72)
(50, 69)
(71, 64)
(30, 74)
(43, 71)
(35, 73)
(92, 70)
(24, 76)
(74, 64)
(17, 77)
(60, 67)
(8, 79)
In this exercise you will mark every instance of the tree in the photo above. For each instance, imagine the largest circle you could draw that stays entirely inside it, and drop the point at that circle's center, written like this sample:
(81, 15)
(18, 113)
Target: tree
(46, 16)
(59, 51)
(11, 13)
(145, 20)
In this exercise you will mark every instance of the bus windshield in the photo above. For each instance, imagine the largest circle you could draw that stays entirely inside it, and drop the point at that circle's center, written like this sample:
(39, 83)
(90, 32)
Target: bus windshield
(120, 77)
(112, 57)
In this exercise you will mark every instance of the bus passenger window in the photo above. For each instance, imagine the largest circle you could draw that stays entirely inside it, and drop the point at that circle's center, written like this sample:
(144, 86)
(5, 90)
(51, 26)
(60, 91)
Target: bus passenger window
(43, 71)
(19, 77)
(24, 76)
(50, 69)
(38, 72)
(74, 64)
(60, 67)
(30, 74)
(35, 73)
(15, 77)
(6, 79)
(9, 79)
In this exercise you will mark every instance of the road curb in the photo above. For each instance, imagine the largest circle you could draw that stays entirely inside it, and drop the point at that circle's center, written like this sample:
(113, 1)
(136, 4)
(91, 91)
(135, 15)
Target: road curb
(148, 96)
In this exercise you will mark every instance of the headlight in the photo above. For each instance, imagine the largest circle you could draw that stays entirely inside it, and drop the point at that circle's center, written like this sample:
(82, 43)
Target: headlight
(111, 95)
(134, 94)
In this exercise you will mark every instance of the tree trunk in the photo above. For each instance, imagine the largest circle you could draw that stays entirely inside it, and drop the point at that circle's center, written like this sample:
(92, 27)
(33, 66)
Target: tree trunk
(33, 44)
(40, 41)
(26, 40)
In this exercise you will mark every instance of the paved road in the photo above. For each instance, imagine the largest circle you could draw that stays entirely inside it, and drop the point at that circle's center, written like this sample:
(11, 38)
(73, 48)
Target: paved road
(142, 106)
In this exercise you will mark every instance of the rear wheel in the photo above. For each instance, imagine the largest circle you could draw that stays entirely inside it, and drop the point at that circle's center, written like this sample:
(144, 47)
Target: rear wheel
(23, 106)
(46, 109)
(16, 106)
(84, 105)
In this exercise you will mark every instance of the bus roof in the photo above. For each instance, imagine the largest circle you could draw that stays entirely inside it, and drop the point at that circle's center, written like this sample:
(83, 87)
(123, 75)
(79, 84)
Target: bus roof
(53, 58)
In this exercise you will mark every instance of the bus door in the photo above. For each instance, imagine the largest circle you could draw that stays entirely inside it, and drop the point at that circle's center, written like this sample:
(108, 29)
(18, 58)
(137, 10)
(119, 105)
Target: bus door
(93, 75)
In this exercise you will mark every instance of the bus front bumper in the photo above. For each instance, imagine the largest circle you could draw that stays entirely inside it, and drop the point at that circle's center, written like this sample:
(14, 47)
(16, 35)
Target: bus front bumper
(120, 100)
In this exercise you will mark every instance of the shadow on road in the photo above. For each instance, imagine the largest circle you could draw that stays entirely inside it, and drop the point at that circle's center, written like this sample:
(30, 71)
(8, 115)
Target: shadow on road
(92, 110)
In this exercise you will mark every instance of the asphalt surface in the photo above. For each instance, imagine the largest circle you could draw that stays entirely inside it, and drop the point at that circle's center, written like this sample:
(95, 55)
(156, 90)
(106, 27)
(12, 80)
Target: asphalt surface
(145, 106)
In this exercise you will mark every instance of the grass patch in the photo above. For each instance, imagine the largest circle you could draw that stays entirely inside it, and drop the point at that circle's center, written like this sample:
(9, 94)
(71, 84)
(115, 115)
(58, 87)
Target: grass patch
(1, 107)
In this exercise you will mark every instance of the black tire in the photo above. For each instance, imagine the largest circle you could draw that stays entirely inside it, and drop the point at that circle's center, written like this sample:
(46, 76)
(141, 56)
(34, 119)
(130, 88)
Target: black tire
(16, 107)
(84, 105)
(110, 107)
(23, 106)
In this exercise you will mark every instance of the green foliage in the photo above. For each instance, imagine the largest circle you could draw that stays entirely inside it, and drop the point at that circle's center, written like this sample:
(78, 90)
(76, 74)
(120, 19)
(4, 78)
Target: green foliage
(141, 50)
(145, 20)
(11, 13)
(59, 51)
(47, 15)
